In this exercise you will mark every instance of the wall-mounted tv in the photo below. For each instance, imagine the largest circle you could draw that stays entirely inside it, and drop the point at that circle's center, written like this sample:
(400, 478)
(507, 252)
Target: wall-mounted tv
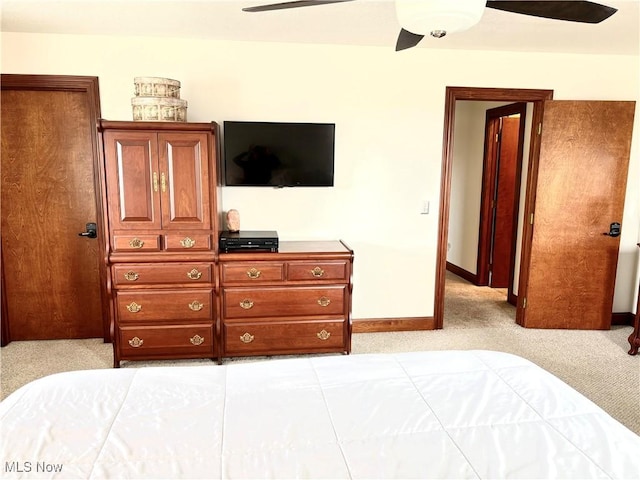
(278, 154)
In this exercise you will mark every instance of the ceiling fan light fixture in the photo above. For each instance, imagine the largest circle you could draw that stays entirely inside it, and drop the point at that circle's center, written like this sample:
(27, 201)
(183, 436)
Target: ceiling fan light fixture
(438, 17)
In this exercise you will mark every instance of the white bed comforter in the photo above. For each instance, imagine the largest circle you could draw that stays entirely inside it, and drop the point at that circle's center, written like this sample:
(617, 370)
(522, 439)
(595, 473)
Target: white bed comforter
(443, 414)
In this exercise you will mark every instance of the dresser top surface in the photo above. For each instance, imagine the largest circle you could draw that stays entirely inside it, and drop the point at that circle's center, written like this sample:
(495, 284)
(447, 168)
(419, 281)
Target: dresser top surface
(293, 249)
(313, 246)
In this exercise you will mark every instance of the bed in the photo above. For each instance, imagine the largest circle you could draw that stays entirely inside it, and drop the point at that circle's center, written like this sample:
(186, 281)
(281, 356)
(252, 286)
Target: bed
(440, 414)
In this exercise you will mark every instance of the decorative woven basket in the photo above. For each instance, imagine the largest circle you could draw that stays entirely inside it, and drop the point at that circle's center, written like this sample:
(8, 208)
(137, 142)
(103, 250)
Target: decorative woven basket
(159, 109)
(156, 87)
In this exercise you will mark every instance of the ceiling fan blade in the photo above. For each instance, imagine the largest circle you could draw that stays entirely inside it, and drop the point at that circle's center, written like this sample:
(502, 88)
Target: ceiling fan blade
(406, 39)
(573, 11)
(296, 4)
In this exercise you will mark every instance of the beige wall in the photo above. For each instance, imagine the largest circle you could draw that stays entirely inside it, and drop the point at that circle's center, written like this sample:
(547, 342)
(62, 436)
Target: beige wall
(388, 108)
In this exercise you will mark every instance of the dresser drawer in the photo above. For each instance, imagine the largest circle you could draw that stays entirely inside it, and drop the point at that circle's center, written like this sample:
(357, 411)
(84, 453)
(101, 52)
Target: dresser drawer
(196, 340)
(136, 243)
(251, 273)
(180, 243)
(283, 337)
(336, 271)
(161, 273)
(183, 304)
(283, 301)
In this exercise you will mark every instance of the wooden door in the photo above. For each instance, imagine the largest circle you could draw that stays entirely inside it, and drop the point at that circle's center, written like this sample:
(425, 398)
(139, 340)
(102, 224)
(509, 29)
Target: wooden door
(185, 182)
(133, 180)
(500, 202)
(582, 178)
(505, 213)
(51, 275)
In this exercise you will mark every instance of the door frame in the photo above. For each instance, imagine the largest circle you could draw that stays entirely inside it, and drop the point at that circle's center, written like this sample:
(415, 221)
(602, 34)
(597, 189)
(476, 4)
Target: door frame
(535, 96)
(489, 172)
(89, 86)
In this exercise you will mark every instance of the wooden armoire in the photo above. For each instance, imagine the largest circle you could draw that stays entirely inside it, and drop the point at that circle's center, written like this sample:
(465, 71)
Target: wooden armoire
(162, 219)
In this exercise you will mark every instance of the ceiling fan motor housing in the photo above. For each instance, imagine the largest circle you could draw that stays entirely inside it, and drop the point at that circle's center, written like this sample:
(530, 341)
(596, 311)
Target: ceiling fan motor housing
(438, 17)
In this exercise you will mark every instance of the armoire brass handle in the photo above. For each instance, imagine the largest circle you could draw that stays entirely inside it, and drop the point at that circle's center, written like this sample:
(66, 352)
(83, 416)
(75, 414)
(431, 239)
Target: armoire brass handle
(133, 307)
(131, 276)
(253, 273)
(194, 274)
(323, 334)
(136, 243)
(187, 242)
(196, 306)
(246, 337)
(324, 301)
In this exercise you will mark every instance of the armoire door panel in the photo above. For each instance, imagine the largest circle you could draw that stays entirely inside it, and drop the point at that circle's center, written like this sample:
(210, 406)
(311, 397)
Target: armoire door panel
(135, 178)
(184, 181)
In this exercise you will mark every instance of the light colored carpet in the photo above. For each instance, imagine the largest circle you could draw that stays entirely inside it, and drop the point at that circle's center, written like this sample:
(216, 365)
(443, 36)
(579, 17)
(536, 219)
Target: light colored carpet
(595, 363)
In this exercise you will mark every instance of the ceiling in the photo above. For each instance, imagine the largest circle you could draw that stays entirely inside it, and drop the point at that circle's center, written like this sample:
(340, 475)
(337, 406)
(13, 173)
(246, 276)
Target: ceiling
(361, 22)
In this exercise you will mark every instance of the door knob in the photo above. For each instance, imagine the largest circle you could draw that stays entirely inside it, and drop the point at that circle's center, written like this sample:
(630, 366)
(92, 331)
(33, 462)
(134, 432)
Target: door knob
(91, 231)
(614, 230)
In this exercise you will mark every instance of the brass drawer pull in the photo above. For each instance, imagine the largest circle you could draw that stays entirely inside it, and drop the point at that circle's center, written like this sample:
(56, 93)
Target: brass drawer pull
(246, 304)
(323, 334)
(317, 272)
(194, 274)
(253, 273)
(246, 338)
(131, 276)
(136, 342)
(324, 301)
(196, 306)
(136, 243)
(196, 340)
(187, 242)
(133, 307)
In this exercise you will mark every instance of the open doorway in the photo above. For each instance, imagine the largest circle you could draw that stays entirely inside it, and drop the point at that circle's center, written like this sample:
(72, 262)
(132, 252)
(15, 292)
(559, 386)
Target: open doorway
(485, 228)
(455, 94)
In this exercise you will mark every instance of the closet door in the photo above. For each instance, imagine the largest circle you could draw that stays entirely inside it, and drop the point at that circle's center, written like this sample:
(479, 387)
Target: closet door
(51, 275)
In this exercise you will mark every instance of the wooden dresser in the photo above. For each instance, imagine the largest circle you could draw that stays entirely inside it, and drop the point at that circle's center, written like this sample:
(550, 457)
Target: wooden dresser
(162, 221)
(297, 300)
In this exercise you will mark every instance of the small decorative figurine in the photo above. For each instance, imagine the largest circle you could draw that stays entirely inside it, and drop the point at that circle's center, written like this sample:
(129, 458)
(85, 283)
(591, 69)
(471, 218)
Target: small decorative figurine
(233, 220)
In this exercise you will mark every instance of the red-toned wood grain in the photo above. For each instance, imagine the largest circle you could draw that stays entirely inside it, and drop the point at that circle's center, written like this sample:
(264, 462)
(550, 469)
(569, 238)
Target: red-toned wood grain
(52, 276)
(582, 177)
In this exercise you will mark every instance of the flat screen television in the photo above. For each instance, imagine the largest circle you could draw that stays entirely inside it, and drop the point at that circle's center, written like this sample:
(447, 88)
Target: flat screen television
(278, 154)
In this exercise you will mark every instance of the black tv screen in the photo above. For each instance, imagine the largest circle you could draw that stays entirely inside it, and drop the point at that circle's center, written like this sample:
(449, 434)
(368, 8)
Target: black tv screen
(276, 154)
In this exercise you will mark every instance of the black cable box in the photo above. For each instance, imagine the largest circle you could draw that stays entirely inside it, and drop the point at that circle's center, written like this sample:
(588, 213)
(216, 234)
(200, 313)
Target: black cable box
(248, 240)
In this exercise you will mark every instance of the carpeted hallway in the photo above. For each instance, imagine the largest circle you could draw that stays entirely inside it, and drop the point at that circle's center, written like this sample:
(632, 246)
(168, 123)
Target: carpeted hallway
(468, 306)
